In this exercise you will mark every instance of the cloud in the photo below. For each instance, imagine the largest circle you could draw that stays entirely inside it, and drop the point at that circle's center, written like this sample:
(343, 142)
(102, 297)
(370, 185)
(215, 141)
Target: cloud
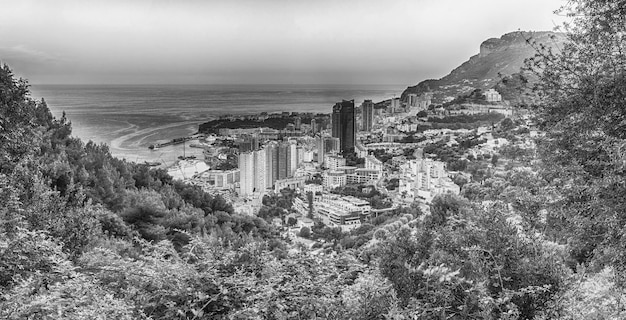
(28, 62)
(24, 53)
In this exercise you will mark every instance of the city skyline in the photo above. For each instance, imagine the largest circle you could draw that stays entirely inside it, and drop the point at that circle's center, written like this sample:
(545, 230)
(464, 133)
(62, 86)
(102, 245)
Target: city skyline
(245, 42)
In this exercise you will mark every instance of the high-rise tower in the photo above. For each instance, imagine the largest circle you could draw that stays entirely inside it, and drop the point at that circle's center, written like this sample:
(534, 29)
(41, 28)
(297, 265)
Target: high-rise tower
(246, 175)
(367, 109)
(253, 172)
(336, 121)
(271, 163)
(344, 125)
(298, 123)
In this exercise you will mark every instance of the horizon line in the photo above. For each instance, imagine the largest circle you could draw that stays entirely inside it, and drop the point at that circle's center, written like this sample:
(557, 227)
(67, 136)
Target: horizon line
(217, 84)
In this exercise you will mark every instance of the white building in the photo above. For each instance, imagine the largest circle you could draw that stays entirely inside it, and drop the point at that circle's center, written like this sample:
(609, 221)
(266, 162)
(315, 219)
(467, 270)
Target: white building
(260, 166)
(301, 206)
(290, 183)
(425, 178)
(293, 157)
(313, 188)
(372, 163)
(220, 179)
(252, 168)
(411, 100)
(334, 179)
(343, 211)
(492, 95)
(332, 162)
(307, 156)
(394, 105)
(361, 150)
(362, 175)
(246, 169)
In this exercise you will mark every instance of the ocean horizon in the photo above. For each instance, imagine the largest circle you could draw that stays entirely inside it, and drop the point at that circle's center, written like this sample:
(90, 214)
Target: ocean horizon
(128, 118)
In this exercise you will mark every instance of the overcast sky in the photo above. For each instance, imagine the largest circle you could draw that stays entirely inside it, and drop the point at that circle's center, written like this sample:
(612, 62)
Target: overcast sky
(277, 41)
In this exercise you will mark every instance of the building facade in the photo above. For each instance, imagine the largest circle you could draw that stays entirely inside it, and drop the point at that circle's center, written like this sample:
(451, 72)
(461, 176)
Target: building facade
(394, 105)
(336, 121)
(344, 126)
(220, 179)
(367, 111)
(371, 162)
(246, 173)
(492, 95)
(333, 162)
(343, 211)
(326, 145)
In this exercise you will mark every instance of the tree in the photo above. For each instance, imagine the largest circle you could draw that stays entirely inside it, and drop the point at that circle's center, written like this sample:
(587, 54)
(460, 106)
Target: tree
(596, 296)
(380, 234)
(444, 206)
(583, 89)
(494, 160)
(16, 116)
(370, 297)
(305, 232)
(460, 180)
(47, 285)
(309, 201)
(507, 124)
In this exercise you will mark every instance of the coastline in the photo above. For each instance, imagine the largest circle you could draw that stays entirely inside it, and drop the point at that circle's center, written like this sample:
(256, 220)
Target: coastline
(130, 118)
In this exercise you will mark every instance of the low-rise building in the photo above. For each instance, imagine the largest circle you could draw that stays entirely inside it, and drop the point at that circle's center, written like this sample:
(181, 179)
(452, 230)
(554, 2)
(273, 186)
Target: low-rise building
(363, 176)
(290, 183)
(220, 179)
(425, 178)
(301, 206)
(492, 95)
(361, 150)
(373, 163)
(393, 137)
(334, 178)
(305, 222)
(332, 162)
(343, 211)
(313, 188)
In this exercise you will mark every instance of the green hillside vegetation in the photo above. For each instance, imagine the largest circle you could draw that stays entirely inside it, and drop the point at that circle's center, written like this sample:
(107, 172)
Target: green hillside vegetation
(280, 123)
(461, 121)
(84, 235)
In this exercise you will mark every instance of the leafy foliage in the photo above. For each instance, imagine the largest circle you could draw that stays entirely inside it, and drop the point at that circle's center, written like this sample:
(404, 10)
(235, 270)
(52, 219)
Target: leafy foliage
(583, 89)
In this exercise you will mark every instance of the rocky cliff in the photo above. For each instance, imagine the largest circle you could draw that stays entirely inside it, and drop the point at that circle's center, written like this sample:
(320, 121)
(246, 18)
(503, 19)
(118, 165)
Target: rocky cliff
(497, 59)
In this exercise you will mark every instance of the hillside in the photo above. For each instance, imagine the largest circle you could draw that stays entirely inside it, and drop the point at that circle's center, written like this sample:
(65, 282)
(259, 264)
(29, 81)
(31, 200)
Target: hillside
(498, 58)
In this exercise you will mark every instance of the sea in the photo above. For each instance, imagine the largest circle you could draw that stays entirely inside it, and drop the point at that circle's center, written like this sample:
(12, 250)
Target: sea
(129, 118)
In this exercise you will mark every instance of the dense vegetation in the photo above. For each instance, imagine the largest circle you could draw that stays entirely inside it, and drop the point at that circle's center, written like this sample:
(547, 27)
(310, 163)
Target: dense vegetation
(476, 97)
(373, 196)
(462, 121)
(278, 123)
(84, 235)
(583, 114)
(468, 118)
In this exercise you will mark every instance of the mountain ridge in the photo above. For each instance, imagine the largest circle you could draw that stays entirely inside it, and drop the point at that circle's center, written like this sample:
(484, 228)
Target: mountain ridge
(497, 58)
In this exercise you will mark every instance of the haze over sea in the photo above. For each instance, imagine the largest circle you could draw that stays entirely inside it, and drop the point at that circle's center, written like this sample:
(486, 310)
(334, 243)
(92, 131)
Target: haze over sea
(128, 118)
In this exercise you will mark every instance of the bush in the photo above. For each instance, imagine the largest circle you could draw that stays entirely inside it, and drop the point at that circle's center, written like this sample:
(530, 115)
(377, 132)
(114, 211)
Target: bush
(305, 232)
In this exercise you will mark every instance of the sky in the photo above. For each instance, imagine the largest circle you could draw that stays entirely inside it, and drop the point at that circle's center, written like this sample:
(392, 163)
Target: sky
(392, 42)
